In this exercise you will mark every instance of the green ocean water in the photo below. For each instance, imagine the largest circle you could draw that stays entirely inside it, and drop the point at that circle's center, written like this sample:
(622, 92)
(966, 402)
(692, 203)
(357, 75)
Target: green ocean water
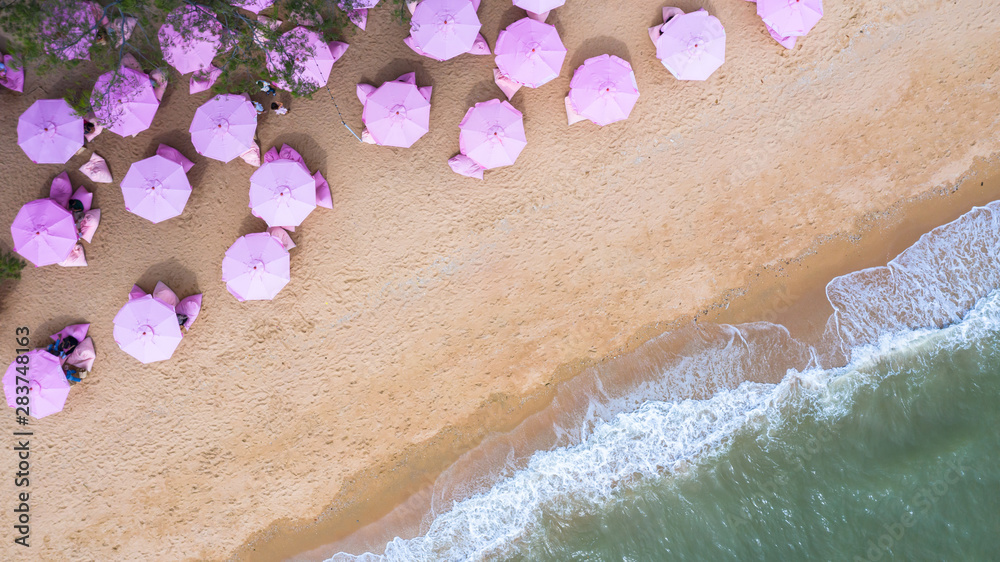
(880, 442)
(904, 467)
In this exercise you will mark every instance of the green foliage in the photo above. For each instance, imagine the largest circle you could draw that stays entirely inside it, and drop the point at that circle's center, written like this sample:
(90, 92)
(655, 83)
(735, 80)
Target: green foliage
(79, 100)
(10, 266)
(33, 26)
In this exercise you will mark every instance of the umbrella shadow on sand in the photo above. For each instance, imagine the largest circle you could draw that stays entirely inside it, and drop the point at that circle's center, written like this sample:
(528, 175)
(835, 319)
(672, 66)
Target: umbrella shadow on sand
(179, 139)
(689, 6)
(397, 68)
(510, 16)
(179, 278)
(312, 152)
(53, 325)
(596, 46)
(250, 225)
(483, 91)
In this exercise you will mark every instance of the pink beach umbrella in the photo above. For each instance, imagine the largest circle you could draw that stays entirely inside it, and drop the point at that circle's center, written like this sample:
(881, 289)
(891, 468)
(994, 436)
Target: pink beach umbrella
(538, 9)
(492, 134)
(69, 28)
(444, 29)
(604, 89)
(311, 58)
(147, 328)
(45, 380)
(223, 127)
(124, 102)
(790, 18)
(357, 10)
(282, 192)
(189, 38)
(397, 113)
(255, 6)
(44, 232)
(357, 4)
(530, 52)
(49, 132)
(256, 267)
(692, 46)
(156, 189)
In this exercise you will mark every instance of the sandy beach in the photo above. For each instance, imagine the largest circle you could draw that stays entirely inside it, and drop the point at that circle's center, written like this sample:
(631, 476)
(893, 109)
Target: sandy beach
(428, 311)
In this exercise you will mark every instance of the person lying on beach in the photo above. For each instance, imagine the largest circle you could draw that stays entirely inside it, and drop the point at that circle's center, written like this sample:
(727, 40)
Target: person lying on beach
(62, 348)
(76, 207)
(259, 107)
(74, 375)
(279, 108)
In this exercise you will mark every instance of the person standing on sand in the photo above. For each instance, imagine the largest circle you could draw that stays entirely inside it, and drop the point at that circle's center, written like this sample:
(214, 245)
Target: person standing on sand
(279, 108)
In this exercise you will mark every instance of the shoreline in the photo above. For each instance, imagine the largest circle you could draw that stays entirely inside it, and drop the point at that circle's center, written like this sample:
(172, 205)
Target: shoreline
(791, 293)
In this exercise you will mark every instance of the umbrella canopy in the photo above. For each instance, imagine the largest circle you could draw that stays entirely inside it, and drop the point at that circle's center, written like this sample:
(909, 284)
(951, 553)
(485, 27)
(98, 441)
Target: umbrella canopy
(124, 101)
(282, 192)
(254, 6)
(46, 382)
(397, 114)
(256, 267)
(604, 90)
(44, 232)
(68, 29)
(189, 38)
(49, 132)
(530, 52)
(311, 58)
(692, 46)
(223, 127)
(790, 18)
(492, 134)
(444, 29)
(538, 6)
(146, 328)
(156, 188)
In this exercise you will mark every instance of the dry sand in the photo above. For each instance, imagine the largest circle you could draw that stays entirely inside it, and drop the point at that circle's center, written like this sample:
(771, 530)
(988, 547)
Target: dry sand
(428, 310)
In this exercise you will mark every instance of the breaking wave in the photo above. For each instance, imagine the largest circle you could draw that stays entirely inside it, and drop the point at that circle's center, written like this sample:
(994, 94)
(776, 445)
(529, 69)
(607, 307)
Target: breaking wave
(679, 398)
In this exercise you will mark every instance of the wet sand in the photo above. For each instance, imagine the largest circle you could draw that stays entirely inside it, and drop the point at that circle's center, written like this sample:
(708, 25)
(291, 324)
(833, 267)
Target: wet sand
(428, 311)
(790, 293)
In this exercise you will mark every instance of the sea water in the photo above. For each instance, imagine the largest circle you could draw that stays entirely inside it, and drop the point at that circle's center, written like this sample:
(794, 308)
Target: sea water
(880, 442)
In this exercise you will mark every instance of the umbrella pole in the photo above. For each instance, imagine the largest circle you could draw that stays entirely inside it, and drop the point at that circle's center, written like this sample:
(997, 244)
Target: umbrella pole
(341, 115)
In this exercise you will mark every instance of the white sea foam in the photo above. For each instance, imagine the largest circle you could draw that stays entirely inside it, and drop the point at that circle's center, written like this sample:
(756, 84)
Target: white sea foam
(881, 312)
(931, 284)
